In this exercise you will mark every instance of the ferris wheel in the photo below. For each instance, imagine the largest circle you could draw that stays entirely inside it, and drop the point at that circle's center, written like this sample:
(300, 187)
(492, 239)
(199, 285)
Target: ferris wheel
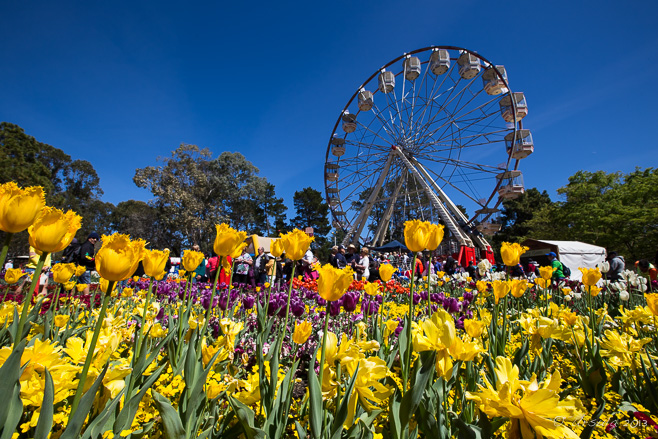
(435, 134)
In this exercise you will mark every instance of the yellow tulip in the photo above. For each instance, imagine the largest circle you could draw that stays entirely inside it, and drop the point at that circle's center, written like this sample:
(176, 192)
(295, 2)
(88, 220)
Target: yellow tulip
(276, 248)
(473, 327)
(435, 236)
(518, 287)
(103, 284)
(511, 253)
(296, 243)
(652, 303)
(19, 208)
(80, 270)
(127, 292)
(154, 262)
(119, 257)
(482, 286)
(60, 320)
(546, 272)
(81, 287)
(590, 276)
(570, 318)
(68, 286)
(386, 272)
(372, 289)
(333, 282)
(500, 289)
(62, 273)
(416, 235)
(13, 275)
(302, 332)
(54, 230)
(191, 260)
(543, 283)
(227, 240)
(594, 290)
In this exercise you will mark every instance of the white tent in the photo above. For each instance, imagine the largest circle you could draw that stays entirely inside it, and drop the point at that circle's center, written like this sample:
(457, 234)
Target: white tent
(573, 254)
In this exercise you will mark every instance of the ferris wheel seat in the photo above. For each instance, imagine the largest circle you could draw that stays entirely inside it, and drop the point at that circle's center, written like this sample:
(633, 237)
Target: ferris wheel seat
(412, 68)
(511, 191)
(494, 84)
(507, 108)
(332, 176)
(338, 150)
(469, 65)
(521, 151)
(365, 100)
(386, 81)
(440, 62)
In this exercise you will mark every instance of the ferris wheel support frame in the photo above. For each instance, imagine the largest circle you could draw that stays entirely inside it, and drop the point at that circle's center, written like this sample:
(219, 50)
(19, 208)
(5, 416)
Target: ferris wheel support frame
(380, 234)
(354, 233)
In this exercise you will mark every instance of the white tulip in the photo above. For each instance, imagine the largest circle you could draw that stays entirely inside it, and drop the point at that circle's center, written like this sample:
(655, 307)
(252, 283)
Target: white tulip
(623, 295)
(605, 267)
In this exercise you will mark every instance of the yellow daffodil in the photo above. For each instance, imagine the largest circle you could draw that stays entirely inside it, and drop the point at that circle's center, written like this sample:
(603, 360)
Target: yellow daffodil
(590, 276)
(500, 289)
(228, 240)
(19, 208)
(60, 320)
(295, 244)
(511, 253)
(191, 260)
(62, 273)
(154, 262)
(386, 272)
(371, 288)
(333, 282)
(119, 257)
(127, 292)
(546, 272)
(535, 409)
(53, 230)
(302, 332)
(518, 287)
(13, 275)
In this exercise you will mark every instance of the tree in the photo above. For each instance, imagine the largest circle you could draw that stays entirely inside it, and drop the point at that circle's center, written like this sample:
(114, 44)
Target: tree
(270, 213)
(193, 192)
(311, 211)
(516, 215)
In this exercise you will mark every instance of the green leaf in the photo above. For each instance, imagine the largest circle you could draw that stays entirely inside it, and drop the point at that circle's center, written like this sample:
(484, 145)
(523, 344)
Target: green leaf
(10, 374)
(301, 433)
(127, 414)
(171, 423)
(245, 416)
(593, 422)
(75, 422)
(316, 411)
(413, 396)
(45, 422)
(14, 413)
(341, 413)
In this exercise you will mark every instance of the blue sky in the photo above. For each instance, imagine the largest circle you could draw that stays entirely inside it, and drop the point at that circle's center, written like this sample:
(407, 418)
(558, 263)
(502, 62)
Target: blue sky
(121, 83)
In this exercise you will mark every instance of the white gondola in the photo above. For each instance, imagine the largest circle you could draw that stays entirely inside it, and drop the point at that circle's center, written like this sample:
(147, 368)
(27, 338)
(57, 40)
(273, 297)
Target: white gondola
(439, 61)
(349, 122)
(469, 65)
(337, 146)
(412, 68)
(494, 84)
(507, 110)
(522, 146)
(386, 81)
(488, 228)
(332, 171)
(365, 100)
(511, 186)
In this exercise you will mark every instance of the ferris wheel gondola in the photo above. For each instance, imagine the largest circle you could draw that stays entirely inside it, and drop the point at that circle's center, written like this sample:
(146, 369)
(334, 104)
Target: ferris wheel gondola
(433, 134)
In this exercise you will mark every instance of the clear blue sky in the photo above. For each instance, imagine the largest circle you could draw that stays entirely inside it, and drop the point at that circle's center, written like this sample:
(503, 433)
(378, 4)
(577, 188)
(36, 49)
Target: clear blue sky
(121, 83)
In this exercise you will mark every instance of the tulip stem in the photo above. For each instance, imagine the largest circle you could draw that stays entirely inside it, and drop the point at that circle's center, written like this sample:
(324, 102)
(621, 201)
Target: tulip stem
(28, 300)
(5, 249)
(139, 335)
(322, 355)
(285, 322)
(212, 300)
(92, 348)
(407, 360)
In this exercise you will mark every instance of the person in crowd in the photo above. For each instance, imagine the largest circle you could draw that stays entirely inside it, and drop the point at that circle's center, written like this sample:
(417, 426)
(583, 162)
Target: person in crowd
(31, 266)
(351, 255)
(260, 266)
(646, 269)
(87, 259)
(420, 267)
(533, 269)
(450, 266)
(472, 270)
(306, 265)
(341, 262)
(517, 271)
(332, 256)
(617, 265)
(71, 253)
(558, 270)
(362, 267)
(212, 265)
(244, 267)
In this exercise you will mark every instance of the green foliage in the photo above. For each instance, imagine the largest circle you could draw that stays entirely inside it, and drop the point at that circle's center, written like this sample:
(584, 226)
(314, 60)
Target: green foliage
(312, 211)
(516, 215)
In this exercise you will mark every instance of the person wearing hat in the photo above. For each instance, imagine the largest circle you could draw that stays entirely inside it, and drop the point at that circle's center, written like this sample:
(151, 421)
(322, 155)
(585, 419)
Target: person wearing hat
(558, 271)
(341, 262)
(87, 254)
(617, 265)
(351, 255)
(332, 256)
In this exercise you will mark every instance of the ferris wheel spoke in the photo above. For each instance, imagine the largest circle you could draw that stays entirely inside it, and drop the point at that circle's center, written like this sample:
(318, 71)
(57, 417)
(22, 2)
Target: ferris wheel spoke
(431, 95)
(472, 197)
(460, 163)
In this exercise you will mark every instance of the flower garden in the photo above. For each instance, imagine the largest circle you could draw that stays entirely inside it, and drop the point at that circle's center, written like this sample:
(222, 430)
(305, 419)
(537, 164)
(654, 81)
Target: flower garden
(159, 357)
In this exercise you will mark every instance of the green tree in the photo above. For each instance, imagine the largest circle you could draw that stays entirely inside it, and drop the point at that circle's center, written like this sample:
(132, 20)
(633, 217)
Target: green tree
(312, 211)
(516, 215)
(270, 213)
